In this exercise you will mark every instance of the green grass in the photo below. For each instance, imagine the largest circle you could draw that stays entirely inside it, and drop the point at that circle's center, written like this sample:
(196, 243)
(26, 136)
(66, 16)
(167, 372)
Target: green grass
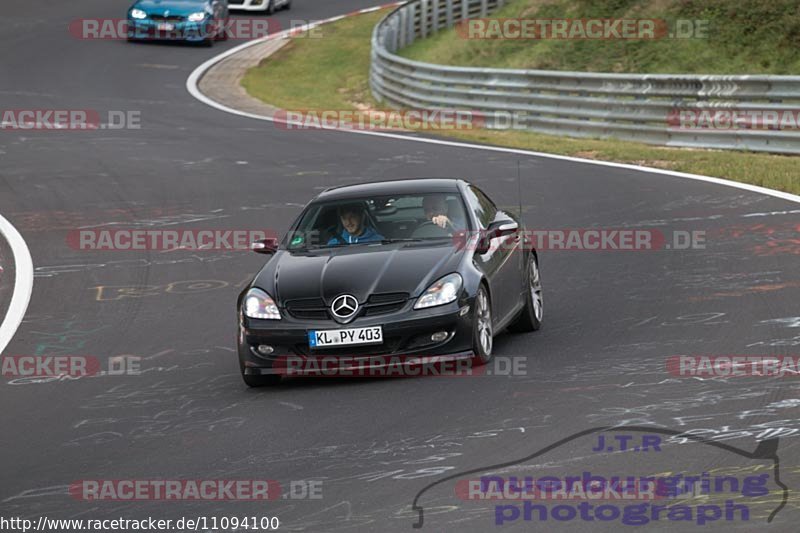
(329, 72)
(332, 73)
(743, 37)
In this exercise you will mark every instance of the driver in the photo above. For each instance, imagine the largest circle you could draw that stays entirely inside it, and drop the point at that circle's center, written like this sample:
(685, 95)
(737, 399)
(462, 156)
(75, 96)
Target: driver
(354, 230)
(435, 207)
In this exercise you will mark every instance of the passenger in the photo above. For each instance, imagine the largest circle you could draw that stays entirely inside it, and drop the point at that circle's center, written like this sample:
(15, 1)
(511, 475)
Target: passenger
(354, 229)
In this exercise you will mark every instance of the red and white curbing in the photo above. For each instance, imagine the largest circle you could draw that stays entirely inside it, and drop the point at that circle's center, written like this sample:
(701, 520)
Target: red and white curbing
(305, 27)
(301, 29)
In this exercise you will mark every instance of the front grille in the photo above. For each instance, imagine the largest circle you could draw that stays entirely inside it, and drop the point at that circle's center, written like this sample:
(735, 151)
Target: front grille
(382, 304)
(305, 303)
(171, 18)
(308, 308)
(309, 314)
(387, 297)
(382, 309)
(377, 304)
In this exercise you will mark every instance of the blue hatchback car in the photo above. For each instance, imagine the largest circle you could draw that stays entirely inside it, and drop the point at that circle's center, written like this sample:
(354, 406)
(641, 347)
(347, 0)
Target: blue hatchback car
(202, 21)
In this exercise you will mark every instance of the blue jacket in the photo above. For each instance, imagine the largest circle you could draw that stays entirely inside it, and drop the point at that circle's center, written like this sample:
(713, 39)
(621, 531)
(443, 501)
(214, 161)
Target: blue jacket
(369, 235)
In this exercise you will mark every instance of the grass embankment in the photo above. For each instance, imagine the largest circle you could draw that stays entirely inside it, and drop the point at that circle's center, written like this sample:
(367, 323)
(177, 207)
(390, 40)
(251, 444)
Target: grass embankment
(740, 36)
(332, 73)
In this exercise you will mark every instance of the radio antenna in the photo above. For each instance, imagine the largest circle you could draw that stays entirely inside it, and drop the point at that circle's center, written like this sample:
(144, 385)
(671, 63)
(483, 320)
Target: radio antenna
(519, 190)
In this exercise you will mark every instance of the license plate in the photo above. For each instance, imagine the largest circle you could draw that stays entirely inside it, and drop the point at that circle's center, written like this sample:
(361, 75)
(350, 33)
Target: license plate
(166, 26)
(345, 337)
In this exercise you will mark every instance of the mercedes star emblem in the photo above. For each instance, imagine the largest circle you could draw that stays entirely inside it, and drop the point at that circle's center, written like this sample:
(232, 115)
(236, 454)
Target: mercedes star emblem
(344, 306)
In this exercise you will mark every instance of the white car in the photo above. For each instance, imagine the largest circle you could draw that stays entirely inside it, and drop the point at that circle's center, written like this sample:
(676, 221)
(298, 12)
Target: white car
(268, 6)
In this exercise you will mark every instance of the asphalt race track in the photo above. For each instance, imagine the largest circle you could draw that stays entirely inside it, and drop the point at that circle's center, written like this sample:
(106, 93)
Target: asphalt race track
(611, 317)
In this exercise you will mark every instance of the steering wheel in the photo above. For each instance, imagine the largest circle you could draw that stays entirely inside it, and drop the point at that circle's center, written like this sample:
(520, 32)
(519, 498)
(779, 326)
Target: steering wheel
(335, 234)
(429, 229)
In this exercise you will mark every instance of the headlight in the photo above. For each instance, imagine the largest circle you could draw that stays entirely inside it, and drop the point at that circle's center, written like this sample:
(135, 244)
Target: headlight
(197, 17)
(258, 304)
(442, 292)
(138, 14)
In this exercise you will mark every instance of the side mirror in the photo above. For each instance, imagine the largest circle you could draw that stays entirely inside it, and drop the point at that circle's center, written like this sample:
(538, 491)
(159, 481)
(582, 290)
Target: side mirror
(501, 228)
(498, 228)
(265, 246)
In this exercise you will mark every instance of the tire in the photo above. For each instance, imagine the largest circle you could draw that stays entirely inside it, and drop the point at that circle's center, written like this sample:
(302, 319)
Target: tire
(288, 5)
(530, 318)
(482, 332)
(253, 380)
(270, 8)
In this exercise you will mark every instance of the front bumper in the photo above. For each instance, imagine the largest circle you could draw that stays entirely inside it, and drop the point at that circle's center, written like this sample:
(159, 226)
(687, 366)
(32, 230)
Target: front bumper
(249, 5)
(406, 333)
(147, 29)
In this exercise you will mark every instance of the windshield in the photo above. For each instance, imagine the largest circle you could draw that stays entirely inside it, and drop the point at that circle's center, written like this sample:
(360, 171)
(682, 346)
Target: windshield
(380, 220)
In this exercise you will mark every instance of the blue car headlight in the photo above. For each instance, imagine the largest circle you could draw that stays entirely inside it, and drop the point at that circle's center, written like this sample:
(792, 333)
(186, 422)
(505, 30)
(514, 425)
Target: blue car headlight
(138, 14)
(197, 17)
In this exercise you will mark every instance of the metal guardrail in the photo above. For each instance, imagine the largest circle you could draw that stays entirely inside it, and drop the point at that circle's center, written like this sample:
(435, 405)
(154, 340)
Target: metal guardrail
(637, 107)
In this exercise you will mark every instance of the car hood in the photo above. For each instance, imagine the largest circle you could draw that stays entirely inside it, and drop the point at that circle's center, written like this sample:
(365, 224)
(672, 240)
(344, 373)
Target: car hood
(360, 270)
(175, 7)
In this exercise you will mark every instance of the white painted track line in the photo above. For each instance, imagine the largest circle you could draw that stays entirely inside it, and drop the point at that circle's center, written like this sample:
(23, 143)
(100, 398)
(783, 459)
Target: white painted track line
(23, 282)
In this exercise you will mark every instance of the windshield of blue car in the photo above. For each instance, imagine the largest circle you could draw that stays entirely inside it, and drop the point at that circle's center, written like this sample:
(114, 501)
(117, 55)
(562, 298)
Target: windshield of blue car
(383, 220)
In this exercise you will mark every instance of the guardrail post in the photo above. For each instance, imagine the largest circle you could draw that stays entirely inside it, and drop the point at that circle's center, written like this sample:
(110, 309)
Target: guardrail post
(435, 17)
(484, 8)
(448, 12)
(402, 30)
(423, 18)
(465, 9)
(392, 38)
(410, 35)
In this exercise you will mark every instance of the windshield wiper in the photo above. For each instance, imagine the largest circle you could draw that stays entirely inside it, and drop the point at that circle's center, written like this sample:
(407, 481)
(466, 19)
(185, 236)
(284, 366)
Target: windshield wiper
(390, 241)
(309, 248)
(345, 244)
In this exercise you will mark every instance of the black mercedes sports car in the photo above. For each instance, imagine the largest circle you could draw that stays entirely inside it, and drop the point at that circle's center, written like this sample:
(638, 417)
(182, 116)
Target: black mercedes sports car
(430, 269)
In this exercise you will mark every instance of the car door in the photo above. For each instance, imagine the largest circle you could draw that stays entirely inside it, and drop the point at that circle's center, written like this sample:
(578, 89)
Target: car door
(501, 263)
